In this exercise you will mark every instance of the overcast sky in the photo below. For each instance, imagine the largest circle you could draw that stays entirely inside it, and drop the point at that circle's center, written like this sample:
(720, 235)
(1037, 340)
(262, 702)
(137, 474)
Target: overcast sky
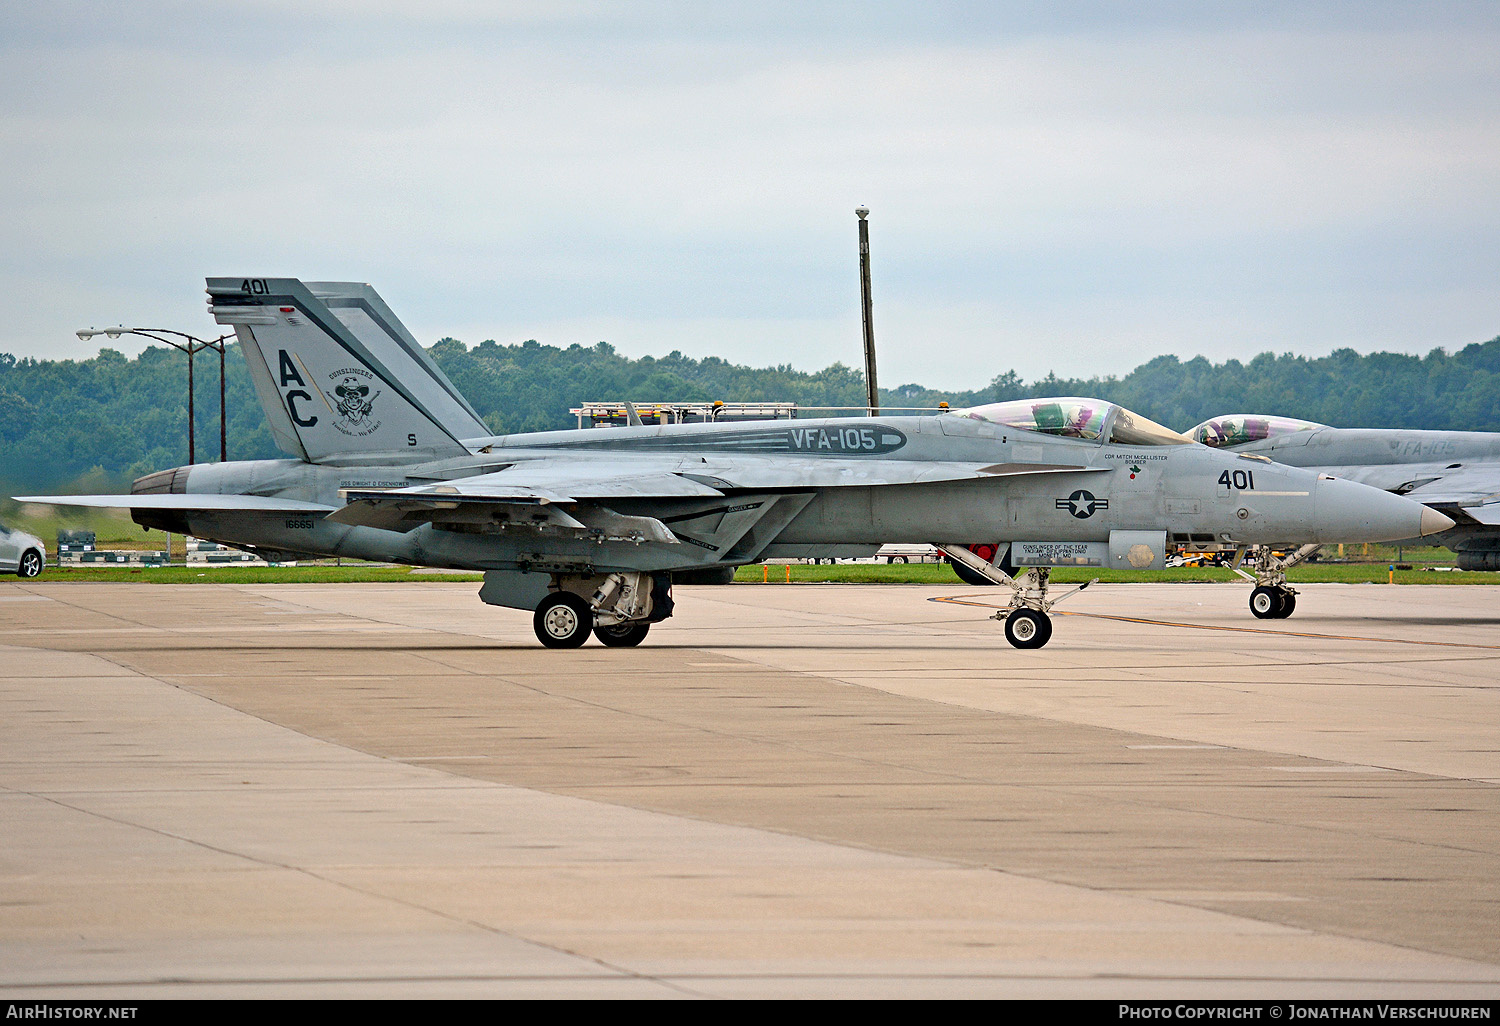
(1054, 187)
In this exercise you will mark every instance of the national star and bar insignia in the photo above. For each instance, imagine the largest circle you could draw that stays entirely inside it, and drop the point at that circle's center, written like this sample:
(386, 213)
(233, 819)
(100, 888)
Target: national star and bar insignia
(1082, 504)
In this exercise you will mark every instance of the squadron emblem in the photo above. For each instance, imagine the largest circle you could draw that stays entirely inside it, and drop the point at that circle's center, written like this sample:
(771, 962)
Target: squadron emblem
(353, 402)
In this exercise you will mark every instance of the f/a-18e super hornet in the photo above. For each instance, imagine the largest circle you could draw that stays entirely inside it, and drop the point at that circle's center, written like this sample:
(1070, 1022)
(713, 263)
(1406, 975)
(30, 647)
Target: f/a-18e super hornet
(1456, 473)
(585, 528)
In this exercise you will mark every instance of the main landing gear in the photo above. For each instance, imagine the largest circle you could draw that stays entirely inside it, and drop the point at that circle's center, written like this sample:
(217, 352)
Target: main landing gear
(619, 610)
(563, 620)
(622, 635)
(1027, 624)
(1273, 598)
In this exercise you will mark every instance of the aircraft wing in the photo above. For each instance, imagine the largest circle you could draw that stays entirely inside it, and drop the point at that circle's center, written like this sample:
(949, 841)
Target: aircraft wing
(529, 490)
(188, 501)
(1474, 490)
(592, 476)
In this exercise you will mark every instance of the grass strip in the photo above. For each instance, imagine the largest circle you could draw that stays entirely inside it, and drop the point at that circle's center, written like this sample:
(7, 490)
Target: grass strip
(774, 573)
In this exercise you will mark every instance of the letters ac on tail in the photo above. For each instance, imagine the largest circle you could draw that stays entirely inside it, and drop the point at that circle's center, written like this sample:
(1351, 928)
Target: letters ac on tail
(585, 529)
(347, 378)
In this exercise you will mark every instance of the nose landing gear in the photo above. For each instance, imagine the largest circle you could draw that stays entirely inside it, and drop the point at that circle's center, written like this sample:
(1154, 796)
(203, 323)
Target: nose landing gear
(1273, 598)
(1027, 624)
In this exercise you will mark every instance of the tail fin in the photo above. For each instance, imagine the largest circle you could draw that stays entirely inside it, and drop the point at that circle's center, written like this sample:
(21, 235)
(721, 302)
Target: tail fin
(338, 374)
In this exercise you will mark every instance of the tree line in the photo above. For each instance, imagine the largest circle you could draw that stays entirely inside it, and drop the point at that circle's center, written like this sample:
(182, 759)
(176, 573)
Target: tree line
(94, 425)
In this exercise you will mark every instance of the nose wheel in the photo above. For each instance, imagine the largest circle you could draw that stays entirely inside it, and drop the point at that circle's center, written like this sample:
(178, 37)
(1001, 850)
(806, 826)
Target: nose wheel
(1028, 628)
(1272, 603)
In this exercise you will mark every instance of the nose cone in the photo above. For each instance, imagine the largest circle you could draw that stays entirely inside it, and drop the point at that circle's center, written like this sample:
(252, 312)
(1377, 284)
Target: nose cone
(1434, 522)
(1350, 512)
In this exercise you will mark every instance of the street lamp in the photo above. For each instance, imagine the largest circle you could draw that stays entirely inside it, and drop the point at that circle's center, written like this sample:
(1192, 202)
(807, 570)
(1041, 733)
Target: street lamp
(190, 344)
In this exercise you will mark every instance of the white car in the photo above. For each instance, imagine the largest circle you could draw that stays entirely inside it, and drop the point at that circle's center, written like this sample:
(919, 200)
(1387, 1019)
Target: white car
(21, 554)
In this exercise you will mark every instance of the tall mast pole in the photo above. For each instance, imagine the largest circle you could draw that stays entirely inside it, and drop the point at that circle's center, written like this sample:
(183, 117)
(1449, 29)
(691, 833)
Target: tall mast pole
(872, 389)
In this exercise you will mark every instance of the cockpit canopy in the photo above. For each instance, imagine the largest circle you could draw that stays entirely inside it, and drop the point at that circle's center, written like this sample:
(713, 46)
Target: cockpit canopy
(1224, 432)
(1073, 417)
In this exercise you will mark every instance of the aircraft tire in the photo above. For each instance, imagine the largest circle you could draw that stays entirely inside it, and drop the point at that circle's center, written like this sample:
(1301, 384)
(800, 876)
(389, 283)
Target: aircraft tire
(1028, 628)
(973, 578)
(1288, 604)
(1266, 603)
(706, 575)
(970, 577)
(563, 620)
(621, 635)
(31, 564)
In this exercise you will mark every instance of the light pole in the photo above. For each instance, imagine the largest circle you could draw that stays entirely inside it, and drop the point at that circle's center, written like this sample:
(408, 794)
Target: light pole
(872, 390)
(190, 344)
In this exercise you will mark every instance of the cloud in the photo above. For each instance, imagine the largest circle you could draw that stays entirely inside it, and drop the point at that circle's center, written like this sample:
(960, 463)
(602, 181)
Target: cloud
(1119, 179)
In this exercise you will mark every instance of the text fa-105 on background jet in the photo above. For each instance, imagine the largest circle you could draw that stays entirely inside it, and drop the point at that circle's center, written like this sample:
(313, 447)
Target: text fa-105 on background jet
(585, 527)
(1456, 473)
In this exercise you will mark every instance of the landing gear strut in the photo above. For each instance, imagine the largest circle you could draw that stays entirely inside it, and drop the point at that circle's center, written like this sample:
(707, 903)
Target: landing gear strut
(974, 578)
(1027, 624)
(1273, 598)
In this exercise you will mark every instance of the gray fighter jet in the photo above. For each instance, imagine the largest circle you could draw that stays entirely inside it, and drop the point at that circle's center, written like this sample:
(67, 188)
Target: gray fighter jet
(585, 528)
(1456, 473)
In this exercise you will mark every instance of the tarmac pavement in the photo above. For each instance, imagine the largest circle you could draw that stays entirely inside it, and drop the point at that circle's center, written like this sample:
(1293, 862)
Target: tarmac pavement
(374, 790)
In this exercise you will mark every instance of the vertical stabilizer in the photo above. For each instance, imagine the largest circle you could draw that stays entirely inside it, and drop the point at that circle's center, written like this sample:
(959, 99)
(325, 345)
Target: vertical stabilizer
(338, 374)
